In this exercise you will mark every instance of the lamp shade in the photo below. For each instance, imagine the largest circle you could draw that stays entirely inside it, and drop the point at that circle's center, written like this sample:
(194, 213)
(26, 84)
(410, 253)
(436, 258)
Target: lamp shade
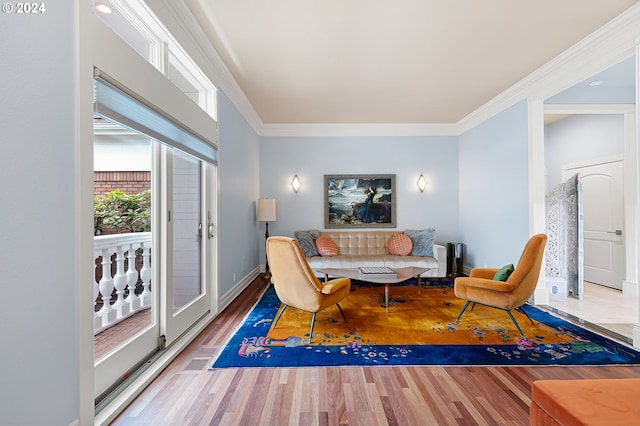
(266, 210)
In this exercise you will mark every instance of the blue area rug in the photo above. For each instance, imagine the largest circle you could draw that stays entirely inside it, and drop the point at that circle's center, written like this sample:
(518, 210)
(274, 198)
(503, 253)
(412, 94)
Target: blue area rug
(426, 335)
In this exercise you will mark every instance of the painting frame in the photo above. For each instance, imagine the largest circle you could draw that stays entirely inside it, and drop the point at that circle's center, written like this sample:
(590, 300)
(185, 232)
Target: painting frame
(360, 201)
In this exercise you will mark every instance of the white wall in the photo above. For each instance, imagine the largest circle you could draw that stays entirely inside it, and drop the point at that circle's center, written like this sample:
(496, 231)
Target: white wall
(39, 369)
(494, 192)
(580, 138)
(406, 157)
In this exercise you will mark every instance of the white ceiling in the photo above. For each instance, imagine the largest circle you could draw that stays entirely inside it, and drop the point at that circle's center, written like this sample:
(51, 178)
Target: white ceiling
(374, 61)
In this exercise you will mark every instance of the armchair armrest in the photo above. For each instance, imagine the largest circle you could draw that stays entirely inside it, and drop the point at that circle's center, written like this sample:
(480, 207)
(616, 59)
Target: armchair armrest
(334, 286)
(487, 284)
(487, 273)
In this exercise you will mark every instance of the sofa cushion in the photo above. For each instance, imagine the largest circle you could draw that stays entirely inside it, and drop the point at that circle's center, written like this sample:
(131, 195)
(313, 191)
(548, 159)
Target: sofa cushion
(400, 245)
(503, 273)
(326, 246)
(307, 241)
(422, 241)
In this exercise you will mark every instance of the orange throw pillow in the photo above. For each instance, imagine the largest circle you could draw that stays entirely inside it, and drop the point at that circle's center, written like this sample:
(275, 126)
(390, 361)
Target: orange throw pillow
(326, 246)
(400, 245)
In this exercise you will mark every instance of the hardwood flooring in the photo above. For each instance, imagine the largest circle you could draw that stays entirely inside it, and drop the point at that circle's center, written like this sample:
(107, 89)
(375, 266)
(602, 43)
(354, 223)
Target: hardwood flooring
(187, 393)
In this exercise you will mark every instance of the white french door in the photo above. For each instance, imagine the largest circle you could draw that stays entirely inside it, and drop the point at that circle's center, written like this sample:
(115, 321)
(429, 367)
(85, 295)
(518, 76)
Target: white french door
(181, 260)
(187, 243)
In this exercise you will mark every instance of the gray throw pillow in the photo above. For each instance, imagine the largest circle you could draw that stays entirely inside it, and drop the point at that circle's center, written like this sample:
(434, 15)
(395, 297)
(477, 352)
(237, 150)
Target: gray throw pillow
(307, 241)
(423, 240)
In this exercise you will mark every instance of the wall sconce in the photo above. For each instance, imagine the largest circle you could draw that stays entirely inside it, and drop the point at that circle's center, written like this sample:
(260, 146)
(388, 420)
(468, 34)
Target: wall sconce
(422, 183)
(295, 184)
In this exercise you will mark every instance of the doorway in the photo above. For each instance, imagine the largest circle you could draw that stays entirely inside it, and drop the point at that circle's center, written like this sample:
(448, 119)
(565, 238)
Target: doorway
(603, 221)
(608, 180)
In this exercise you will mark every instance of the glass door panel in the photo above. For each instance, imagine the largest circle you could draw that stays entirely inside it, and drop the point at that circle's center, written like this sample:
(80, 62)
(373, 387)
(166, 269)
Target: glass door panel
(126, 326)
(187, 230)
(184, 297)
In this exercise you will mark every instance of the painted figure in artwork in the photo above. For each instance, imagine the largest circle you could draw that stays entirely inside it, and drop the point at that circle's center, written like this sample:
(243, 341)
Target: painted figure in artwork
(366, 211)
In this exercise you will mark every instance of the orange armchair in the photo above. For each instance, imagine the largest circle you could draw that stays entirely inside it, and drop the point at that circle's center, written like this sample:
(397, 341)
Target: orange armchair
(295, 283)
(480, 287)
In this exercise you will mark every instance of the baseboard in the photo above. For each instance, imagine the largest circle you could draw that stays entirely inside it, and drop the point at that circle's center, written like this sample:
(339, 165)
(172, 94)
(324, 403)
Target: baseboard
(541, 296)
(238, 288)
(630, 289)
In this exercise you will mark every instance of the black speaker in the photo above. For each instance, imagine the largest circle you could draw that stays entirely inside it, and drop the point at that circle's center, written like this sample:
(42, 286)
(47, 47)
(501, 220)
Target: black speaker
(451, 256)
(459, 253)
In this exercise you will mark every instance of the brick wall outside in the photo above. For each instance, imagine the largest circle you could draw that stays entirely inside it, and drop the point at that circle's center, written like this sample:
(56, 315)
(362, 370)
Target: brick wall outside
(127, 182)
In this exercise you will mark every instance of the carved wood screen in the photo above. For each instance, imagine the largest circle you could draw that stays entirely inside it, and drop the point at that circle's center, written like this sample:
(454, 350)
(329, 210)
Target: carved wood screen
(563, 222)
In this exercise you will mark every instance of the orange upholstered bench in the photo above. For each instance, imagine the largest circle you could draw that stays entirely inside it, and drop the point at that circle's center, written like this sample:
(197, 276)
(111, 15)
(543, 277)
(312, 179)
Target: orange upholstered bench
(585, 402)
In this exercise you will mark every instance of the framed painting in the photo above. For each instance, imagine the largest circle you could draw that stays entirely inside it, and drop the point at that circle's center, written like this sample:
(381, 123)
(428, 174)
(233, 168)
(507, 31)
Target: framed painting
(360, 201)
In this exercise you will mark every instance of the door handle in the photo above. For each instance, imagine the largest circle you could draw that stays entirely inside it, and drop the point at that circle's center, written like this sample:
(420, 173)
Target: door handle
(617, 232)
(210, 226)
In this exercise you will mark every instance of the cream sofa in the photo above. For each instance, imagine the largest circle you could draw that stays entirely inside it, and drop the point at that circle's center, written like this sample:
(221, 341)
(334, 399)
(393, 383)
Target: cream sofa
(369, 248)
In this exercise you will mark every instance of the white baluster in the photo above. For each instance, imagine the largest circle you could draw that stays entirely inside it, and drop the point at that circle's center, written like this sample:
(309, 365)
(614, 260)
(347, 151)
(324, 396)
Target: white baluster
(120, 283)
(145, 276)
(97, 320)
(106, 288)
(132, 279)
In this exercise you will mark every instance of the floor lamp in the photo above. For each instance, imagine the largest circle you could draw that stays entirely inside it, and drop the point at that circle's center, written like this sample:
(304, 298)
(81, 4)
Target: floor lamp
(266, 212)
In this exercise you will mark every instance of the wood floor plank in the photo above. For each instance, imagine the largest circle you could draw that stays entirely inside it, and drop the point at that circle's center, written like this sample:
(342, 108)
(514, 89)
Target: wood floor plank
(188, 393)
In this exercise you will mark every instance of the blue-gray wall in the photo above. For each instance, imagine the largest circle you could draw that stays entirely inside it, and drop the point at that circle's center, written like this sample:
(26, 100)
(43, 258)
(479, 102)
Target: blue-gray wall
(618, 87)
(406, 157)
(239, 190)
(493, 189)
(38, 233)
(581, 138)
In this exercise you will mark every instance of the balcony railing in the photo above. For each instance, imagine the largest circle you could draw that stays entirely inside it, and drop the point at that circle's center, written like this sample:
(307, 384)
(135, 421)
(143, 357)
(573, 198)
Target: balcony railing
(122, 284)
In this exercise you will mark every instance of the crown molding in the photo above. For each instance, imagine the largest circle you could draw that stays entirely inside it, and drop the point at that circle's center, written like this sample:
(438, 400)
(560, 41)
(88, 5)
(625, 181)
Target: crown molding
(207, 57)
(359, 130)
(610, 44)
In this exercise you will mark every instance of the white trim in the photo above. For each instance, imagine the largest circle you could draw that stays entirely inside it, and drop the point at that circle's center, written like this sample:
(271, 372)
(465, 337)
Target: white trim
(83, 88)
(188, 34)
(587, 163)
(603, 48)
(610, 44)
(359, 130)
(630, 179)
(537, 186)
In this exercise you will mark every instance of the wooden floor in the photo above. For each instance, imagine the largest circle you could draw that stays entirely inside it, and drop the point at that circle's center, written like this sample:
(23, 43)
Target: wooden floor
(187, 393)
